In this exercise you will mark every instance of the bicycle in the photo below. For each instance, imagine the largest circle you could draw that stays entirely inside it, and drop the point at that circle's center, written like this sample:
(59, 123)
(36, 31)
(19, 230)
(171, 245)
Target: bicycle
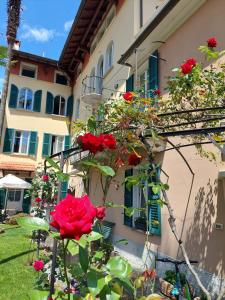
(178, 290)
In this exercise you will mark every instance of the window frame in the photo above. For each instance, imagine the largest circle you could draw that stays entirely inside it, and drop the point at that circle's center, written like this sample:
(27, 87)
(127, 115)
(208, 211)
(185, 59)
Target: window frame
(109, 50)
(63, 115)
(25, 102)
(15, 191)
(61, 73)
(20, 143)
(77, 109)
(53, 146)
(29, 66)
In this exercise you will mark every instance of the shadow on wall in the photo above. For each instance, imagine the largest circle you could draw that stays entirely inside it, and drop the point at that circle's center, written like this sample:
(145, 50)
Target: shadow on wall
(203, 240)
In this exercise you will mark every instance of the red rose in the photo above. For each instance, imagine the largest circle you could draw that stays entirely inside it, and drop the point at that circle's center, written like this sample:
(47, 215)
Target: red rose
(156, 92)
(108, 141)
(90, 142)
(212, 42)
(38, 265)
(38, 200)
(191, 61)
(134, 160)
(100, 212)
(128, 96)
(73, 217)
(186, 68)
(45, 177)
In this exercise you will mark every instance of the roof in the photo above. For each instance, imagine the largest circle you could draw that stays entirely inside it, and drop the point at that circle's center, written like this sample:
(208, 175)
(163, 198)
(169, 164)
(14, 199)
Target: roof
(87, 21)
(149, 29)
(35, 58)
(7, 165)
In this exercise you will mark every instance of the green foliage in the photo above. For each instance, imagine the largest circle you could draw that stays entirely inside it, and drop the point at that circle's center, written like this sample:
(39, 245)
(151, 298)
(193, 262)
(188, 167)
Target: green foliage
(3, 56)
(170, 276)
(105, 170)
(119, 267)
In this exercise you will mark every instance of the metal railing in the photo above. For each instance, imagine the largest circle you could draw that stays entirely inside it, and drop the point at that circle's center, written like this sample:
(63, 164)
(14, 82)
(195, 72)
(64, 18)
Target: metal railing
(92, 84)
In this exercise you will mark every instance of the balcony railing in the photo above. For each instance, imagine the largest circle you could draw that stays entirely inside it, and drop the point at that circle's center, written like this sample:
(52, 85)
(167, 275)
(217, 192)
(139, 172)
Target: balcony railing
(77, 157)
(92, 87)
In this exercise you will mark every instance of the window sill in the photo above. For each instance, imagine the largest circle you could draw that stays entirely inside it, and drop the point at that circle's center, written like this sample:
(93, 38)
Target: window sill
(58, 116)
(34, 78)
(108, 71)
(24, 155)
(23, 110)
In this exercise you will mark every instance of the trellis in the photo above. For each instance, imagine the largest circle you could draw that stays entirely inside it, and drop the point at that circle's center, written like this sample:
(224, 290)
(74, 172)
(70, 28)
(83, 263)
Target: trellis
(207, 132)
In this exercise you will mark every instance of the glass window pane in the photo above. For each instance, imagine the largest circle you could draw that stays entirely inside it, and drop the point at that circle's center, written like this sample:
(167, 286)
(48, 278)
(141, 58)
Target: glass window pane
(62, 106)
(10, 195)
(24, 142)
(60, 143)
(17, 195)
(21, 101)
(29, 99)
(16, 146)
(56, 105)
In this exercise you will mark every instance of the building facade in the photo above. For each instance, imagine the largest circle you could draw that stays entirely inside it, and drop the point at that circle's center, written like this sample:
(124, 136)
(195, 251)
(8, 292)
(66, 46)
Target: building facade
(114, 46)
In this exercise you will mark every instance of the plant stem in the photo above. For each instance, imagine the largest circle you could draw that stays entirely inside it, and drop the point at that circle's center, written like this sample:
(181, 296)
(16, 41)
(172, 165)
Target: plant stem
(65, 268)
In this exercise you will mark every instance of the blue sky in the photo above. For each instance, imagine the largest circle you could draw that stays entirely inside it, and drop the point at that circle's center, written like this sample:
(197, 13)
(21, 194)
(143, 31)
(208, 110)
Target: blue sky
(44, 26)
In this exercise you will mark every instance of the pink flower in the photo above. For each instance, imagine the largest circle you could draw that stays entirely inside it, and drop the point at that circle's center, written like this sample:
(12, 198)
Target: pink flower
(38, 265)
(45, 177)
(212, 42)
(38, 200)
(100, 212)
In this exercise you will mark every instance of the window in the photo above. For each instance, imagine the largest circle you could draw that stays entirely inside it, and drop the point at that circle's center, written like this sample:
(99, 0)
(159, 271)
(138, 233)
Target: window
(21, 141)
(25, 100)
(143, 84)
(28, 70)
(100, 73)
(92, 81)
(61, 79)
(77, 111)
(59, 106)
(57, 144)
(139, 201)
(14, 195)
(109, 56)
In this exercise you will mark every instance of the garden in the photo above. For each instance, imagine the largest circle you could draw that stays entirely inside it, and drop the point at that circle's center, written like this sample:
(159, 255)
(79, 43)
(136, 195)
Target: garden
(63, 249)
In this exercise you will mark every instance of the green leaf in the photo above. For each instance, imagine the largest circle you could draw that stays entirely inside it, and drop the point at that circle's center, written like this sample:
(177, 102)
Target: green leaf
(62, 176)
(126, 283)
(73, 248)
(52, 163)
(119, 267)
(33, 223)
(98, 255)
(55, 235)
(83, 258)
(94, 236)
(129, 211)
(122, 242)
(106, 170)
(96, 282)
(38, 295)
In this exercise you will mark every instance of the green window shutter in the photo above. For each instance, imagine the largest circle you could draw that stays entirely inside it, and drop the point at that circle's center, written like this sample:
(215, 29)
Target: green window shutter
(33, 143)
(8, 141)
(69, 108)
(130, 84)
(128, 200)
(154, 210)
(2, 198)
(47, 139)
(67, 142)
(153, 66)
(14, 92)
(37, 101)
(64, 186)
(49, 103)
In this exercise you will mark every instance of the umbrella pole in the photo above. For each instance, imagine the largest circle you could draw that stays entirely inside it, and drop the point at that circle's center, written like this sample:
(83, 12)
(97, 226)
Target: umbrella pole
(6, 202)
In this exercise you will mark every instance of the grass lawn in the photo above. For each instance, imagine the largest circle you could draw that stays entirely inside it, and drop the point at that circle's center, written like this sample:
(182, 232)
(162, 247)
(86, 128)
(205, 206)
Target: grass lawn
(16, 276)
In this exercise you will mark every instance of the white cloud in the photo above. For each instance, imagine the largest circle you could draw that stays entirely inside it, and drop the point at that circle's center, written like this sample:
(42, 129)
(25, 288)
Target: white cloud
(37, 34)
(67, 25)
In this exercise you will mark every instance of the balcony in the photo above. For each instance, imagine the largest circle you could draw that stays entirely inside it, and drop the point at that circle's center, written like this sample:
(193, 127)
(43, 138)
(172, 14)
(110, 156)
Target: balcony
(92, 87)
(77, 157)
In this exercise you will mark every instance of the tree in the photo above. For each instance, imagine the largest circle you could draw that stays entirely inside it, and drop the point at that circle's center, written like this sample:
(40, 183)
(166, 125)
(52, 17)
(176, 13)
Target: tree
(13, 11)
